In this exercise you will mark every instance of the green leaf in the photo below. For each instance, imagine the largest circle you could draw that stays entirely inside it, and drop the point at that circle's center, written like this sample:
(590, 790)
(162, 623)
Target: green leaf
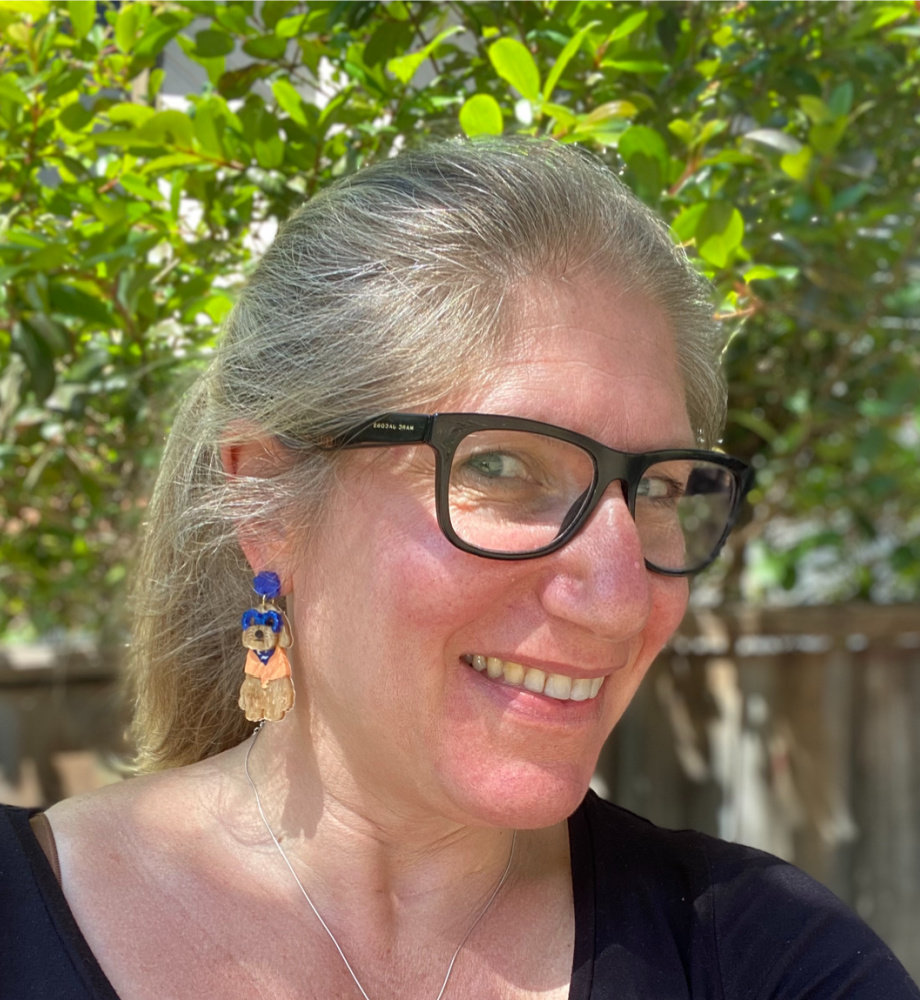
(389, 37)
(165, 126)
(707, 68)
(849, 197)
(481, 115)
(158, 32)
(217, 306)
(26, 341)
(126, 27)
(234, 17)
(210, 44)
(290, 27)
(760, 272)
(75, 117)
(269, 152)
(564, 58)
(53, 333)
(274, 11)
(841, 99)
(82, 16)
(635, 65)
(163, 164)
(266, 47)
(684, 226)
(207, 129)
(70, 301)
(795, 165)
(34, 8)
(398, 9)
(646, 155)
(643, 140)
(719, 233)
(136, 185)
(825, 138)
(563, 115)
(11, 89)
(712, 128)
(49, 257)
(109, 211)
(513, 62)
(886, 15)
(607, 111)
(815, 108)
(405, 67)
(682, 129)
(134, 115)
(239, 82)
(290, 101)
(155, 82)
(628, 25)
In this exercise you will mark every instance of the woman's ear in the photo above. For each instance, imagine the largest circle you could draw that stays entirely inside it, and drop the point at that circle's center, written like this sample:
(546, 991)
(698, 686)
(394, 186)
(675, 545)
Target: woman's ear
(265, 544)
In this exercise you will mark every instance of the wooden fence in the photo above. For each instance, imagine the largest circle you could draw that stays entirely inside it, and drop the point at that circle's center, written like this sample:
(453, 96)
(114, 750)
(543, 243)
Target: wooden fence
(61, 719)
(797, 731)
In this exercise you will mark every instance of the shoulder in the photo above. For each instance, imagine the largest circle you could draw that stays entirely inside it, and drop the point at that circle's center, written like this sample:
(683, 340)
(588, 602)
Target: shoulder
(109, 839)
(622, 842)
(149, 805)
(740, 921)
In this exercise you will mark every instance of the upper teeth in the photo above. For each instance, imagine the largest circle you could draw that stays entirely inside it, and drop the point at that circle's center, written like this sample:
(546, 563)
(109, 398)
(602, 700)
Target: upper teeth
(559, 686)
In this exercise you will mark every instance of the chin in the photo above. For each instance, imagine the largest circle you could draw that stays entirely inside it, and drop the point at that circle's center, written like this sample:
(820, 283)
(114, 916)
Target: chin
(524, 795)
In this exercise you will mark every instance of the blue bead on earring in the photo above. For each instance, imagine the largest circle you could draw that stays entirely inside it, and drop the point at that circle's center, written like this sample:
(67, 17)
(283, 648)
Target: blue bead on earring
(267, 691)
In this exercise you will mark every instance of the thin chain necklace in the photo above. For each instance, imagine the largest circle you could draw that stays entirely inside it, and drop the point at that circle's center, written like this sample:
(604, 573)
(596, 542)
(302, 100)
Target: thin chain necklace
(325, 926)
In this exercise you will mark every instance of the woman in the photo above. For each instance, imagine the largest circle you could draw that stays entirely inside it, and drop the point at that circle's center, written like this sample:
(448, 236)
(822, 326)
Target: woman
(453, 432)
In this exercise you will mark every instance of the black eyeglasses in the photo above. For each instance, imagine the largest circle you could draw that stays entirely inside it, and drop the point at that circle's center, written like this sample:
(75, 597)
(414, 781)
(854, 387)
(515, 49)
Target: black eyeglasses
(510, 488)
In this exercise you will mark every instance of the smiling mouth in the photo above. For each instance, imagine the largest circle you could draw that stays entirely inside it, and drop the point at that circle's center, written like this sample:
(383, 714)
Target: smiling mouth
(558, 686)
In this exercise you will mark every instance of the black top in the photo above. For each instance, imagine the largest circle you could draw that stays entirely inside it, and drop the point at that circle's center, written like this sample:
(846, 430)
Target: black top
(677, 915)
(659, 915)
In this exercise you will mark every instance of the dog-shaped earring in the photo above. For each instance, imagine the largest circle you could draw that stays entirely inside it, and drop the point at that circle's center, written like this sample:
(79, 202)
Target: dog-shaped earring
(267, 691)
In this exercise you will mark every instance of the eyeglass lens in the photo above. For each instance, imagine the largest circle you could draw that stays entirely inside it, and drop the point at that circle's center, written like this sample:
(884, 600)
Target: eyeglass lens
(516, 491)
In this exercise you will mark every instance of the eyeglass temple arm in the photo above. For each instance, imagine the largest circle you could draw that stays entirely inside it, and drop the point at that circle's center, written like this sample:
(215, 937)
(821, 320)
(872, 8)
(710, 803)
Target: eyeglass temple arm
(389, 429)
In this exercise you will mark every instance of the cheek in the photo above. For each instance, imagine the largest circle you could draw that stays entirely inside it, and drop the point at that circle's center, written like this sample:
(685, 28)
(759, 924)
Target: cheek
(383, 582)
(669, 597)
(434, 591)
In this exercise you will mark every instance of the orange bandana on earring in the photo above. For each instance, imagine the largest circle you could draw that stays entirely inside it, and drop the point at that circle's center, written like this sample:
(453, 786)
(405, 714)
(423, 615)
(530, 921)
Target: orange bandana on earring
(267, 691)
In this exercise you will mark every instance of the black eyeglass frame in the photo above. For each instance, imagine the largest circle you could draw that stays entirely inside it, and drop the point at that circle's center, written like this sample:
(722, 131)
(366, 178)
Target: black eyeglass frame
(444, 432)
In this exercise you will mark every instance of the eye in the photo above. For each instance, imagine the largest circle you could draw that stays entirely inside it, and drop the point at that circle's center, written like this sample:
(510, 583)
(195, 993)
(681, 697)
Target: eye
(496, 465)
(662, 488)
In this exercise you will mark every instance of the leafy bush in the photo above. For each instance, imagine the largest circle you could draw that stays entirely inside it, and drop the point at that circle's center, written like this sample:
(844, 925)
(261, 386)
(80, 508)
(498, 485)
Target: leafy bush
(780, 139)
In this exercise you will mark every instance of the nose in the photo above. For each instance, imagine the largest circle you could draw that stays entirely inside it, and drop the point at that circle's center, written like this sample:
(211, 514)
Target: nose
(598, 581)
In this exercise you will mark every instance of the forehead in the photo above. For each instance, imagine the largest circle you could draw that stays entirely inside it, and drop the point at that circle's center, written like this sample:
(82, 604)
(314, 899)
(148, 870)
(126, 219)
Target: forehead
(589, 357)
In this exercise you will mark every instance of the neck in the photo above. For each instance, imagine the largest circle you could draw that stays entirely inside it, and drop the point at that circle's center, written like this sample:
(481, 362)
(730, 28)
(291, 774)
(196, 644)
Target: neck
(365, 856)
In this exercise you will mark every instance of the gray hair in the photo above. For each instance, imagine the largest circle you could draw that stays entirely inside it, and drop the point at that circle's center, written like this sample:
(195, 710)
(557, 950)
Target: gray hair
(382, 293)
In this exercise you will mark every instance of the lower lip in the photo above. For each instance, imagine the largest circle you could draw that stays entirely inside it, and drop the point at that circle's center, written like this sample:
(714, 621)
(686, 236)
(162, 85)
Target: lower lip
(529, 704)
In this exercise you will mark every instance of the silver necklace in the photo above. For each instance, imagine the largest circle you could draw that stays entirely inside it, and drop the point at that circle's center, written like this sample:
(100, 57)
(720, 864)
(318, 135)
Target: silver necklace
(325, 926)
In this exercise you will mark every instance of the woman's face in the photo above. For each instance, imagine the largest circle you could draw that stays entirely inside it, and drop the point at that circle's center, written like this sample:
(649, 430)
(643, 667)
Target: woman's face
(387, 613)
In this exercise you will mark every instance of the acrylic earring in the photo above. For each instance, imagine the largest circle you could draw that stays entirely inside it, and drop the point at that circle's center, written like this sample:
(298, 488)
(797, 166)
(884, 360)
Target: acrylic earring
(267, 691)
